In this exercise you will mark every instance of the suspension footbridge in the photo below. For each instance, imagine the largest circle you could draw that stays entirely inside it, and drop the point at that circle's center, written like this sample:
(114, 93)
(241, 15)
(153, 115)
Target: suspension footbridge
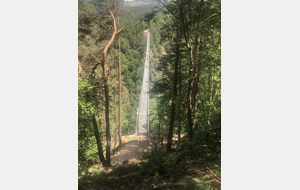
(143, 112)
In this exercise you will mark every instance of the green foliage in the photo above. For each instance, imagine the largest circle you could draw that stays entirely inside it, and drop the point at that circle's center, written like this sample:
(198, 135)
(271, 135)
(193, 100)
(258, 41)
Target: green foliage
(161, 167)
(196, 183)
(85, 107)
(86, 110)
(94, 32)
(200, 29)
(203, 145)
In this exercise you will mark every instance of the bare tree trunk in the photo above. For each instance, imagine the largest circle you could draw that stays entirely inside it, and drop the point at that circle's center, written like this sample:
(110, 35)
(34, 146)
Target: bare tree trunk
(211, 99)
(103, 126)
(190, 94)
(159, 131)
(80, 70)
(174, 97)
(106, 88)
(108, 138)
(137, 124)
(99, 145)
(116, 129)
(186, 33)
(197, 76)
(120, 84)
(193, 89)
(193, 75)
(100, 123)
(180, 103)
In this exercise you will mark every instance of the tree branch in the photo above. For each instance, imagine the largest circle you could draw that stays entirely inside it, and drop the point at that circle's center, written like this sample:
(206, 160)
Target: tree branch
(166, 16)
(96, 58)
(121, 29)
(167, 8)
(92, 87)
(214, 174)
(96, 86)
(95, 67)
(80, 70)
(111, 40)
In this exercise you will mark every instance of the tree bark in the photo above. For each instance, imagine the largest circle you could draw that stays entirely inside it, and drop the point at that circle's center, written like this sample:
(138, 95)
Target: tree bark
(189, 46)
(103, 126)
(159, 131)
(174, 97)
(187, 19)
(106, 88)
(180, 103)
(197, 77)
(190, 94)
(108, 138)
(80, 70)
(212, 99)
(116, 129)
(100, 123)
(98, 141)
(120, 127)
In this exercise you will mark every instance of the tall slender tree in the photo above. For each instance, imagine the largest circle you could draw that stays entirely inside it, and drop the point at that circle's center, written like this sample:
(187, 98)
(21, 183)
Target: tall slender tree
(120, 85)
(175, 80)
(106, 87)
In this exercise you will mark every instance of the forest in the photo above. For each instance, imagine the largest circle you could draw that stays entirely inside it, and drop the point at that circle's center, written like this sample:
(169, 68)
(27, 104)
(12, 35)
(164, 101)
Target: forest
(183, 148)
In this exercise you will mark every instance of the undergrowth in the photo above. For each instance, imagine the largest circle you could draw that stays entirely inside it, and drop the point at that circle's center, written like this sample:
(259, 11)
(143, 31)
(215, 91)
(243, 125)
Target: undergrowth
(194, 165)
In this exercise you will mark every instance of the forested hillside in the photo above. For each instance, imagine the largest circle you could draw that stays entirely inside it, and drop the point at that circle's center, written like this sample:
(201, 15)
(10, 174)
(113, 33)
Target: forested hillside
(185, 93)
(94, 34)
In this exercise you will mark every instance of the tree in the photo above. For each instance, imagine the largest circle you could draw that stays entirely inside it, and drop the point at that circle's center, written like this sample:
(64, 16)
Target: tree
(198, 64)
(120, 84)
(97, 47)
(106, 87)
(174, 96)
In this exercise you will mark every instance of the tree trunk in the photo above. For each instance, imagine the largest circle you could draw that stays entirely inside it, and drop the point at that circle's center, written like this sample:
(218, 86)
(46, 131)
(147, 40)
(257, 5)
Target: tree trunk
(188, 20)
(116, 129)
(174, 97)
(100, 123)
(108, 138)
(180, 104)
(159, 125)
(99, 145)
(120, 84)
(186, 33)
(212, 99)
(197, 76)
(103, 126)
(190, 94)
(106, 88)
(80, 70)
